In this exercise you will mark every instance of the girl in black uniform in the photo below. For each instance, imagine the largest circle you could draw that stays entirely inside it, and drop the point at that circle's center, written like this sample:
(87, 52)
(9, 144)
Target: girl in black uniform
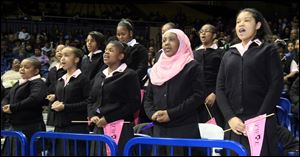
(93, 62)
(54, 74)
(209, 56)
(115, 95)
(25, 100)
(250, 80)
(137, 55)
(71, 100)
(175, 91)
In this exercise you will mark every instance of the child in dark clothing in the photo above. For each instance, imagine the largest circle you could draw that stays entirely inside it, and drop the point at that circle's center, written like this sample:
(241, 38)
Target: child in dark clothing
(54, 74)
(71, 94)
(250, 81)
(137, 55)
(25, 100)
(209, 56)
(93, 62)
(115, 95)
(175, 91)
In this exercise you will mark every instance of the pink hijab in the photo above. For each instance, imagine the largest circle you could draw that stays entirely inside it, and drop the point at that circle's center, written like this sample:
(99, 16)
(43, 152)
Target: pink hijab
(167, 67)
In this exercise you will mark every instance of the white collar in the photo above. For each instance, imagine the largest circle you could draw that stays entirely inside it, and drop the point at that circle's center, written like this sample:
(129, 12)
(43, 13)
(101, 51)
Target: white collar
(132, 42)
(121, 68)
(75, 75)
(243, 49)
(213, 46)
(90, 55)
(22, 81)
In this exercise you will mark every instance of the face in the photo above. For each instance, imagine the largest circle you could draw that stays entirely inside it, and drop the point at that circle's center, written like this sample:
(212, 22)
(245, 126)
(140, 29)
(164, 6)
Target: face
(112, 55)
(206, 35)
(91, 44)
(123, 34)
(293, 34)
(290, 47)
(246, 26)
(58, 52)
(37, 52)
(16, 65)
(297, 44)
(281, 52)
(170, 44)
(27, 70)
(68, 59)
(151, 49)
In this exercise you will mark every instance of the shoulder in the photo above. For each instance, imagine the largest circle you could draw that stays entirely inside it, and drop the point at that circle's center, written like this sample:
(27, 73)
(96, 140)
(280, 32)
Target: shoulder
(38, 82)
(130, 72)
(192, 65)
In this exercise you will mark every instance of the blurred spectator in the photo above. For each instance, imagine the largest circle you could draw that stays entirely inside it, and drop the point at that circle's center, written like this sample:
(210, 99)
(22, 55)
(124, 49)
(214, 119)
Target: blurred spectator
(151, 54)
(289, 65)
(44, 61)
(294, 35)
(23, 35)
(10, 77)
(6, 57)
(47, 49)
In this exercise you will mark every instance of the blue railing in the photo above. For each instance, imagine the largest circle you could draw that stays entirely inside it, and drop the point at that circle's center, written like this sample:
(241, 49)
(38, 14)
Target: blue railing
(9, 143)
(70, 136)
(171, 142)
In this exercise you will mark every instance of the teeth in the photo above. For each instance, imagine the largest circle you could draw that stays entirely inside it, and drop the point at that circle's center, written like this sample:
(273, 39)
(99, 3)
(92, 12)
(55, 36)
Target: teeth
(242, 30)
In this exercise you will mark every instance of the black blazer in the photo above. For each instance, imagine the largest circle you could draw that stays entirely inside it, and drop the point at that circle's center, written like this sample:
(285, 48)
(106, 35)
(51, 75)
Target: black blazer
(52, 78)
(26, 102)
(91, 68)
(74, 96)
(137, 59)
(181, 96)
(117, 97)
(209, 60)
(251, 84)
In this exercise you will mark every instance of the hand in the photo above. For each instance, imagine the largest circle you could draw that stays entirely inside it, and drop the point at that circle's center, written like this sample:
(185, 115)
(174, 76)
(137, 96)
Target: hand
(237, 126)
(100, 122)
(210, 99)
(57, 106)
(95, 119)
(162, 116)
(50, 97)
(154, 116)
(6, 109)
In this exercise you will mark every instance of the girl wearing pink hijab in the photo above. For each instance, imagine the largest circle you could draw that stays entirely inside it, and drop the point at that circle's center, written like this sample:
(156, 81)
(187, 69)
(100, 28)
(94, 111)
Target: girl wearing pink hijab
(175, 91)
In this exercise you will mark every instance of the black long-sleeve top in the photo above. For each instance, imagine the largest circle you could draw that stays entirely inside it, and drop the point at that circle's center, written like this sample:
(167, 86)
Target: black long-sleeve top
(137, 59)
(117, 97)
(74, 96)
(181, 96)
(209, 60)
(91, 68)
(52, 78)
(26, 101)
(251, 84)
